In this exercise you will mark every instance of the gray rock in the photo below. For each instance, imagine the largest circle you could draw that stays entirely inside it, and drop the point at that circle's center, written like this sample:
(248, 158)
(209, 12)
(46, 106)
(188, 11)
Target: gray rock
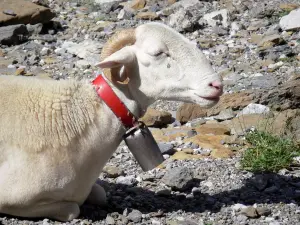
(178, 178)
(126, 14)
(219, 17)
(254, 109)
(163, 192)
(135, 216)
(260, 182)
(291, 21)
(191, 133)
(14, 34)
(250, 212)
(128, 180)
(263, 211)
(113, 171)
(166, 148)
(88, 49)
(34, 29)
(109, 220)
(225, 114)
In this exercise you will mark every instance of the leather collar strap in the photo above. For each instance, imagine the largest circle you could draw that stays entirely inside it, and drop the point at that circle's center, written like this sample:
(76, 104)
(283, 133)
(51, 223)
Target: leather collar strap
(106, 93)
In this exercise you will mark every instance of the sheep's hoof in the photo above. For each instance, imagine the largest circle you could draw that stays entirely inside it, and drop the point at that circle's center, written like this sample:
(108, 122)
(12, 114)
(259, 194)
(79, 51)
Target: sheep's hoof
(97, 196)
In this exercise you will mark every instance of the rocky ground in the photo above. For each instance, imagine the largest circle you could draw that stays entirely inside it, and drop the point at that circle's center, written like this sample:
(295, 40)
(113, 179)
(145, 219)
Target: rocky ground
(254, 45)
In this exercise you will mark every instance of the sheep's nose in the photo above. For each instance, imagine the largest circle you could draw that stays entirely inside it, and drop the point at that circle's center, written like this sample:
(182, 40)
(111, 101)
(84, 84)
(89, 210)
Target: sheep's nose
(217, 85)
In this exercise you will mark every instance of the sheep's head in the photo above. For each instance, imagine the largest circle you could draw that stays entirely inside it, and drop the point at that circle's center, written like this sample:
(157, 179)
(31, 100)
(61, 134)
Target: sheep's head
(156, 62)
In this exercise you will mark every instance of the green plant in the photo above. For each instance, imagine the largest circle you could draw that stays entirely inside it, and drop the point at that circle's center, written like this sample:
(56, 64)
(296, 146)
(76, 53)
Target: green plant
(268, 153)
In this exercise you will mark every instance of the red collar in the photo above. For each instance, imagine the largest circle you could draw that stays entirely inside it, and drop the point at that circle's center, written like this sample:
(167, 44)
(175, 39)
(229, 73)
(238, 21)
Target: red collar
(106, 93)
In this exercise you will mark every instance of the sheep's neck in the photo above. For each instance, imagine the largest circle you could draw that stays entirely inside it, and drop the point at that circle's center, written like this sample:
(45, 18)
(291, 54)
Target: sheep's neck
(125, 96)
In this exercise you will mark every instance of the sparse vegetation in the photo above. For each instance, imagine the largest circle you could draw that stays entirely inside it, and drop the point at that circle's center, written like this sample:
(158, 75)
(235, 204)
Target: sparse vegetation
(268, 153)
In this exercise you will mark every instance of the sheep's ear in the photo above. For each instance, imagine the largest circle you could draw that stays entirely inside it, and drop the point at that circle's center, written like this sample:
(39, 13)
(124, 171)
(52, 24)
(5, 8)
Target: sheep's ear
(122, 57)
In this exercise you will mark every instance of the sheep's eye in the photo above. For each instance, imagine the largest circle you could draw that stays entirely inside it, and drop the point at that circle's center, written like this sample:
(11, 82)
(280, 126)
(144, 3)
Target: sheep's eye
(158, 53)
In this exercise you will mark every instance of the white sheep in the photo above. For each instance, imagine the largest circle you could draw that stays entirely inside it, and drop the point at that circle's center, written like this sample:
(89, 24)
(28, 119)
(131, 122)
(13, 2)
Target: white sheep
(56, 136)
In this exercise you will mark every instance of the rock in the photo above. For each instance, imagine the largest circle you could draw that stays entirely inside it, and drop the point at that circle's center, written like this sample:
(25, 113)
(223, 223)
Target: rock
(225, 114)
(171, 2)
(125, 14)
(113, 171)
(109, 220)
(14, 34)
(155, 118)
(147, 16)
(88, 49)
(135, 216)
(26, 13)
(213, 142)
(254, 109)
(271, 40)
(82, 64)
(166, 148)
(178, 178)
(241, 124)
(196, 122)
(263, 211)
(286, 96)
(219, 17)
(128, 180)
(190, 111)
(191, 133)
(250, 212)
(291, 21)
(234, 101)
(137, 4)
(20, 71)
(260, 182)
(215, 129)
(163, 192)
(184, 156)
(34, 29)
(288, 6)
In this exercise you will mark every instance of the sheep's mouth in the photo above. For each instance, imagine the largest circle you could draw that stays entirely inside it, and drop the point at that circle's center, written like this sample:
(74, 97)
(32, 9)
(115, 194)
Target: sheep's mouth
(210, 98)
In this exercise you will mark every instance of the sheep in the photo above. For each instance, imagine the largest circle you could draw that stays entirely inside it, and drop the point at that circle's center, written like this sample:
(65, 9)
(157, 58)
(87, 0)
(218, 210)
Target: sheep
(56, 136)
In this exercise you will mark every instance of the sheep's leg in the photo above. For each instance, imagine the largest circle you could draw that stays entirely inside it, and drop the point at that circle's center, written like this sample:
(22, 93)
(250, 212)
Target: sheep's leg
(62, 211)
(97, 196)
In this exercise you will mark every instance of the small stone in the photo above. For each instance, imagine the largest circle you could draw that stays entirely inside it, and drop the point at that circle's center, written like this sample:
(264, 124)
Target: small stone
(178, 178)
(191, 133)
(137, 4)
(217, 17)
(113, 171)
(166, 148)
(225, 114)
(125, 14)
(147, 16)
(249, 212)
(238, 207)
(45, 51)
(9, 12)
(263, 211)
(135, 216)
(163, 192)
(20, 71)
(188, 151)
(129, 180)
(109, 220)
(254, 109)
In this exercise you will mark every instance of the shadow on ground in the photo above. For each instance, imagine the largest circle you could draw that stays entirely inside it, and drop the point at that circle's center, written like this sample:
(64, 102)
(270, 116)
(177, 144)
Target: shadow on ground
(260, 188)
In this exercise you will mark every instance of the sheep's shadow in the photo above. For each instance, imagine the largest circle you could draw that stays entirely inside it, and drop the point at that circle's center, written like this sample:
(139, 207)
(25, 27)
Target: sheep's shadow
(260, 188)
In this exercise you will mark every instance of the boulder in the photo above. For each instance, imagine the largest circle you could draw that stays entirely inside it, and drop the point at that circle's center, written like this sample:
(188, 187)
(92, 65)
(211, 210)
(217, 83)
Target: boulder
(23, 12)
